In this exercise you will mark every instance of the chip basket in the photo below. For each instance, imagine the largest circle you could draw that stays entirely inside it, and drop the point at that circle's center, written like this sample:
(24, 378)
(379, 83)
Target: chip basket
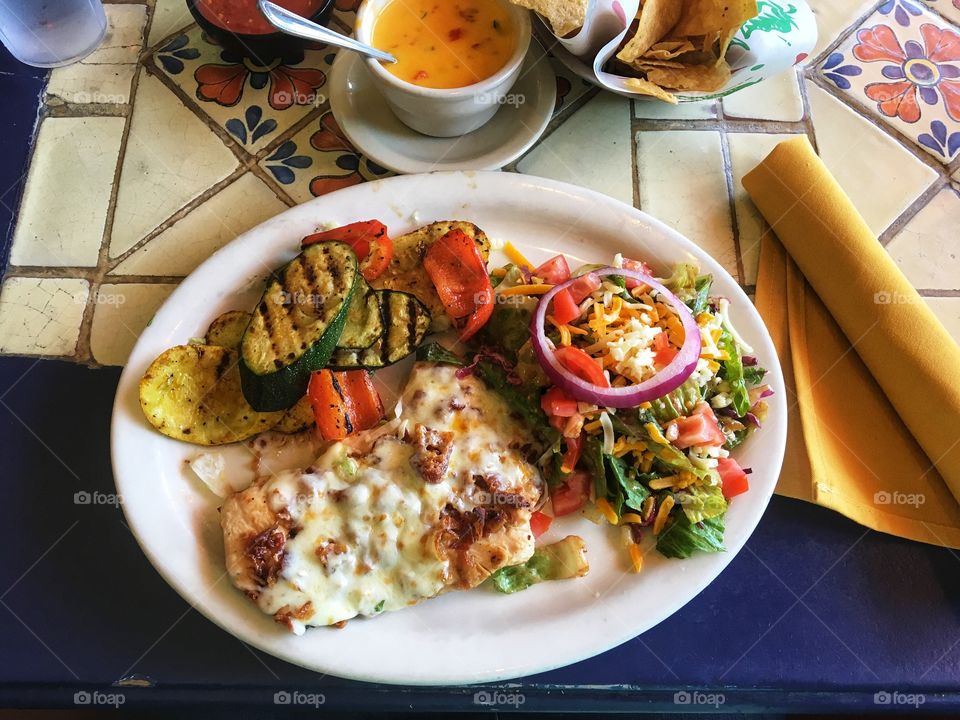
(783, 34)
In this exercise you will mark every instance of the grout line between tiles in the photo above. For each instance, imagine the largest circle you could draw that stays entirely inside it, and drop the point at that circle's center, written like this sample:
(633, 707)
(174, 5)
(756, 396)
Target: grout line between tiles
(915, 207)
(845, 33)
(82, 351)
(178, 215)
(731, 200)
(150, 67)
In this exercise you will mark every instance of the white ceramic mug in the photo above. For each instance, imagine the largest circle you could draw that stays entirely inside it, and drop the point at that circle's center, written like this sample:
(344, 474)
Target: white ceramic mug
(443, 112)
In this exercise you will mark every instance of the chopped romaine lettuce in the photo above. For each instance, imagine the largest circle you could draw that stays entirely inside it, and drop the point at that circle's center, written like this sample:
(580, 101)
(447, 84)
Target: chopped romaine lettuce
(523, 399)
(508, 328)
(702, 502)
(630, 490)
(681, 538)
(733, 374)
(559, 561)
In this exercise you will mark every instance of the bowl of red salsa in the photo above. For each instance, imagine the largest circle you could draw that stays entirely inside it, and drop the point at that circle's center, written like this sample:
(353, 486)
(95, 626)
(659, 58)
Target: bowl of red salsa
(240, 26)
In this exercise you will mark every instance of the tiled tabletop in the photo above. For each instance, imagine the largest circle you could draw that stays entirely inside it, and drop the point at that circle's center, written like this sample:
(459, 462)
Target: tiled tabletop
(141, 170)
(161, 147)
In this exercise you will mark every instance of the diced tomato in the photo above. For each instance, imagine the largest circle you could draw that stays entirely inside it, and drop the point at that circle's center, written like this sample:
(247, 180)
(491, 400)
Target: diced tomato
(554, 271)
(343, 402)
(582, 365)
(557, 403)
(636, 266)
(733, 480)
(664, 351)
(564, 308)
(572, 494)
(369, 241)
(459, 274)
(583, 286)
(539, 523)
(700, 428)
(570, 457)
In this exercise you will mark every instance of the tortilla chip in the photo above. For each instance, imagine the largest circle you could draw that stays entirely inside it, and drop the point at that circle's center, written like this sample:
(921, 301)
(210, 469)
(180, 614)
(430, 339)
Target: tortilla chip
(645, 87)
(725, 39)
(706, 78)
(656, 19)
(667, 49)
(564, 16)
(704, 17)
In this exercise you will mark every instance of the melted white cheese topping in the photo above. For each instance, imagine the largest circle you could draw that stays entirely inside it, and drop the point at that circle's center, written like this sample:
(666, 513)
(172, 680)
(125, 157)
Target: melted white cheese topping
(365, 542)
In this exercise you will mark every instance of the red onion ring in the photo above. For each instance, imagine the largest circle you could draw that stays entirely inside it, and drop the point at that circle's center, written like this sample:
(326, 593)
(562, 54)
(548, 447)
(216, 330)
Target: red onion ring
(665, 381)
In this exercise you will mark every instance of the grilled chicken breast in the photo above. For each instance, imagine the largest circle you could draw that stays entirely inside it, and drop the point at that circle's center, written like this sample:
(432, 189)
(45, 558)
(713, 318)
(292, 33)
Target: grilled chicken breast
(432, 501)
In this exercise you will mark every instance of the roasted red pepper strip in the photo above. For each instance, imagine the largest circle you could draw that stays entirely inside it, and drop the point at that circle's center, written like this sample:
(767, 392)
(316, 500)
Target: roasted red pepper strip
(459, 274)
(369, 241)
(343, 402)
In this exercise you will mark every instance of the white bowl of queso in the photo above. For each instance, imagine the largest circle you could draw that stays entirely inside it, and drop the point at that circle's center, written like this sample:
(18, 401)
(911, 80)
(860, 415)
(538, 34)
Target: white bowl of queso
(456, 61)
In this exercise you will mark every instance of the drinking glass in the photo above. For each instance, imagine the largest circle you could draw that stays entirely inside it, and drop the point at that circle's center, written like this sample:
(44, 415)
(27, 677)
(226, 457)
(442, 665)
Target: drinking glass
(51, 33)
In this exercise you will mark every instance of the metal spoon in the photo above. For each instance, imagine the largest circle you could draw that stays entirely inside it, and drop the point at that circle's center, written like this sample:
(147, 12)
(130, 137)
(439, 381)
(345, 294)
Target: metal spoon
(292, 24)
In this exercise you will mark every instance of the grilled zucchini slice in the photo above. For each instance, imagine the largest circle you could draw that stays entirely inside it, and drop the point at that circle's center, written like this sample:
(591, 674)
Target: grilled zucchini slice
(406, 323)
(192, 393)
(297, 325)
(227, 330)
(406, 273)
(364, 319)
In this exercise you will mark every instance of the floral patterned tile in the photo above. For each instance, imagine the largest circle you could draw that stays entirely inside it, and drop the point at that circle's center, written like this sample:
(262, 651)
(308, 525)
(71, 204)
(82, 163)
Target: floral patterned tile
(903, 66)
(254, 103)
(317, 160)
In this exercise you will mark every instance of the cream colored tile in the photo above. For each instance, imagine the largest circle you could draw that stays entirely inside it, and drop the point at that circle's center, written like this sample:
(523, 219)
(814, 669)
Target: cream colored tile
(191, 240)
(746, 152)
(168, 17)
(124, 39)
(651, 109)
(105, 75)
(65, 204)
(592, 149)
(41, 316)
(171, 157)
(948, 310)
(928, 248)
(879, 175)
(777, 98)
(683, 183)
(120, 315)
(834, 17)
(84, 83)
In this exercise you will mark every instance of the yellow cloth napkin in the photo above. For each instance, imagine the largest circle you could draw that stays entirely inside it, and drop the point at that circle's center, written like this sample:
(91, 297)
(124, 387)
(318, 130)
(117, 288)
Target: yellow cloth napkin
(873, 377)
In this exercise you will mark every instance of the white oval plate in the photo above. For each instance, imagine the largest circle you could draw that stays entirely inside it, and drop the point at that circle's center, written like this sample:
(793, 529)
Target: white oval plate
(461, 637)
(374, 130)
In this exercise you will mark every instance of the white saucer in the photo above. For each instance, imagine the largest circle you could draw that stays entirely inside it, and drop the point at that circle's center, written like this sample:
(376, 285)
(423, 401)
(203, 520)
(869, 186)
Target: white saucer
(375, 131)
